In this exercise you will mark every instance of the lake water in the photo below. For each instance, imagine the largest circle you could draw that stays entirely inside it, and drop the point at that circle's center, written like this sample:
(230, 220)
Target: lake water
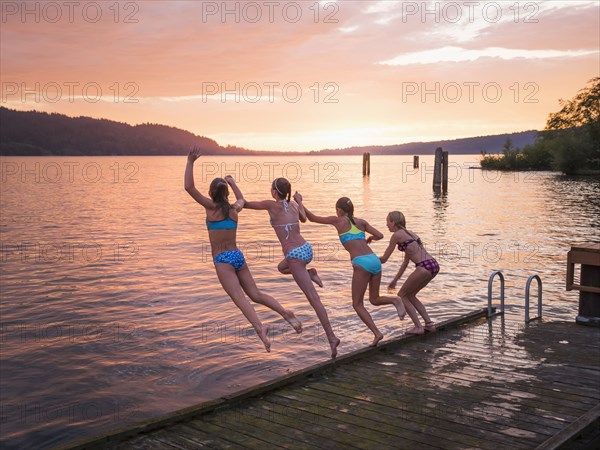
(112, 313)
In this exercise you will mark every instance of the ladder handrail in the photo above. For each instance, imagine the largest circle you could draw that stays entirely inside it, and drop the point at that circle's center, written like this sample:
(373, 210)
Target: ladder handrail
(499, 273)
(527, 286)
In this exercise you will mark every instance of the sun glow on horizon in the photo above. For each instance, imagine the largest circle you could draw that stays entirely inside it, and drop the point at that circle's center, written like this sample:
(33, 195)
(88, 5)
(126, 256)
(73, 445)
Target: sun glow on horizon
(307, 77)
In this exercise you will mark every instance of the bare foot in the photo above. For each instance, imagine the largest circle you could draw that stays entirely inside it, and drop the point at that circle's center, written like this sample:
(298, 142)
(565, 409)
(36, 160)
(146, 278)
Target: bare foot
(400, 308)
(430, 326)
(315, 277)
(376, 340)
(293, 321)
(334, 345)
(264, 337)
(416, 330)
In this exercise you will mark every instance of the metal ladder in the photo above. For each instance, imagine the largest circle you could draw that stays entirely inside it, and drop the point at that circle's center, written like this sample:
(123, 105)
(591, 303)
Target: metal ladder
(527, 289)
(527, 286)
(491, 280)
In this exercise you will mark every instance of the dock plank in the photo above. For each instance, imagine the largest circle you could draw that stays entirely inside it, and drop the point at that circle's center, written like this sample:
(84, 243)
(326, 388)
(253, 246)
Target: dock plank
(428, 409)
(225, 437)
(336, 430)
(369, 422)
(439, 428)
(476, 383)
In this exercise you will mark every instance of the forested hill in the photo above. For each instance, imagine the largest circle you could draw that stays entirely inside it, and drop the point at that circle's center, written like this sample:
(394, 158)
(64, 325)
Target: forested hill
(471, 145)
(38, 133)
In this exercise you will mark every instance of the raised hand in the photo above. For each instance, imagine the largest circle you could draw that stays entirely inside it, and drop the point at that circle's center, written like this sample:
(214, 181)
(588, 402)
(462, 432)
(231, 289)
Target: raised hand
(230, 180)
(298, 197)
(194, 154)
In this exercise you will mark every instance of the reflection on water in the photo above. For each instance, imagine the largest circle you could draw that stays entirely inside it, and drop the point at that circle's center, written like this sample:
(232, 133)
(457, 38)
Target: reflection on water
(111, 310)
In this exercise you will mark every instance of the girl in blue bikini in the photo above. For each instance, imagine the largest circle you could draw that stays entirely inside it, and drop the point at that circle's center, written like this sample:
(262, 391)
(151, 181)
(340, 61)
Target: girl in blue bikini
(231, 267)
(426, 269)
(366, 264)
(285, 220)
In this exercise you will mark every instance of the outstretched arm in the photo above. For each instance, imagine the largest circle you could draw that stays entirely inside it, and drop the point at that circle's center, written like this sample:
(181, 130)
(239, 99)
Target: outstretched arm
(239, 203)
(189, 180)
(330, 220)
(264, 204)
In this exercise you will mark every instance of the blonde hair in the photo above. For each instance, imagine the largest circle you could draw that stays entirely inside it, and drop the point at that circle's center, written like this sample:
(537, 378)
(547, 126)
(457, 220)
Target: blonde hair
(398, 219)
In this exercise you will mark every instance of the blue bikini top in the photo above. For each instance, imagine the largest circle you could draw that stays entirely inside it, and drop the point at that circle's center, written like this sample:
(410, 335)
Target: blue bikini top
(225, 224)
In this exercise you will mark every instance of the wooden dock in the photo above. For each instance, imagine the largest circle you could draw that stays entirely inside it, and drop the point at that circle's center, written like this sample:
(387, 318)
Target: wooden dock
(475, 383)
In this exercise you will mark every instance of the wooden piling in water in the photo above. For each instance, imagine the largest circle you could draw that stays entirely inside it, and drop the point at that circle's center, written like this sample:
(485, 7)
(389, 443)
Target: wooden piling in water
(445, 171)
(440, 170)
(366, 164)
(437, 169)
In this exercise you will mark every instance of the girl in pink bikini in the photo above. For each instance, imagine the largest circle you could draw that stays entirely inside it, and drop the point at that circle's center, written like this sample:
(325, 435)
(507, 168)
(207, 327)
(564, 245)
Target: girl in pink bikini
(426, 269)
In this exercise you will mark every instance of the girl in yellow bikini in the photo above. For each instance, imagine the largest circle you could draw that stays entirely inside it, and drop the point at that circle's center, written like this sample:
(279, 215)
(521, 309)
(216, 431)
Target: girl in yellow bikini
(366, 264)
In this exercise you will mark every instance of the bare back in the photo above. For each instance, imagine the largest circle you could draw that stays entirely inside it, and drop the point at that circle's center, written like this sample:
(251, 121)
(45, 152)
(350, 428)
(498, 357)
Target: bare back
(286, 223)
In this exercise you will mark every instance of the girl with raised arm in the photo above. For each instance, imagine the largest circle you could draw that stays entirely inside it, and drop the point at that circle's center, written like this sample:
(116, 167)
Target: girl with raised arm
(367, 267)
(426, 269)
(230, 264)
(285, 220)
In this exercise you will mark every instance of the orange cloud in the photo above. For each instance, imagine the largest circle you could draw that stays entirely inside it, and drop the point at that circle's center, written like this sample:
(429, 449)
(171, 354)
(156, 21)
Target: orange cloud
(303, 75)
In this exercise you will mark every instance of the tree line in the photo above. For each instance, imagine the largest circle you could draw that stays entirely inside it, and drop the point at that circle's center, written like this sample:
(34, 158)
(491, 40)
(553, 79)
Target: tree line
(33, 133)
(570, 142)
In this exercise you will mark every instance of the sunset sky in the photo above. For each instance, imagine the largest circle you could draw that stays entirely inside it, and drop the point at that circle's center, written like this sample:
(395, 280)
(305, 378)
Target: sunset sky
(302, 75)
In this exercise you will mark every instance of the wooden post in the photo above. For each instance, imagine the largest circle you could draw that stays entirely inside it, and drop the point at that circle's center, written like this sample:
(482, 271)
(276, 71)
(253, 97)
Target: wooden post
(366, 164)
(437, 170)
(415, 162)
(445, 171)
(588, 255)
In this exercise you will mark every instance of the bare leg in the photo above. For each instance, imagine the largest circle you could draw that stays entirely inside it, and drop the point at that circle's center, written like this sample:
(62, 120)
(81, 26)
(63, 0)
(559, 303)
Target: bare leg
(231, 284)
(314, 276)
(298, 269)
(284, 267)
(411, 286)
(380, 300)
(252, 291)
(412, 313)
(429, 326)
(420, 308)
(360, 279)
(426, 278)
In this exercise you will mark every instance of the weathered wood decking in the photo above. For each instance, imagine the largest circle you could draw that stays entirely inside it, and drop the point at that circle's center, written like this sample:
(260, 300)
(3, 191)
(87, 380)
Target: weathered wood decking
(489, 385)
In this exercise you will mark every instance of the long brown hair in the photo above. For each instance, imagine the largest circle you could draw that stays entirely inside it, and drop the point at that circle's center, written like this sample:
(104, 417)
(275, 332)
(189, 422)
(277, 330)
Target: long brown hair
(345, 204)
(219, 193)
(283, 188)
